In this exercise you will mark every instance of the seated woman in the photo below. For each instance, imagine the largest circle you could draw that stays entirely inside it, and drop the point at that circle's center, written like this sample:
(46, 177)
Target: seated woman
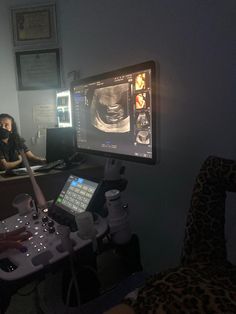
(205, 282)
(10, 157)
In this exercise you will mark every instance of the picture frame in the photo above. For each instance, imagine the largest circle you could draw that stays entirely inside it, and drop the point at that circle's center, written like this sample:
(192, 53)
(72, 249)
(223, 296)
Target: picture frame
(38, 69)
(34, 25)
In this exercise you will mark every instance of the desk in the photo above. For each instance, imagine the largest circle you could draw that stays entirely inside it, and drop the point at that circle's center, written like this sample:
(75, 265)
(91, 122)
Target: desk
(50, 183)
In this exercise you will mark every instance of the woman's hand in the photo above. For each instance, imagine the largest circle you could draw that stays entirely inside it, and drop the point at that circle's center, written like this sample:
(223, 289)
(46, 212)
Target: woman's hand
(35, 158)
(13, 239)
(42, 160)
(19, 158)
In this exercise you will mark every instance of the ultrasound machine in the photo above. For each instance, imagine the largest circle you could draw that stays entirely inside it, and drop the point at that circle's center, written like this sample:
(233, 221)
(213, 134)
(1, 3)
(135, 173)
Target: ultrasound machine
(44, 246)
(106, 122)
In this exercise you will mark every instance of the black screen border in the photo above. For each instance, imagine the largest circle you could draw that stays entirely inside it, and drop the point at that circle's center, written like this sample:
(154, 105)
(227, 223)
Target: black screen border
(54, 135)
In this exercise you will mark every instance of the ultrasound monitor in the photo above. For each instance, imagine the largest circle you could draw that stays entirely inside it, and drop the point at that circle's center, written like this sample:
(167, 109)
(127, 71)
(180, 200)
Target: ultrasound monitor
(60, 144)
(114, 113)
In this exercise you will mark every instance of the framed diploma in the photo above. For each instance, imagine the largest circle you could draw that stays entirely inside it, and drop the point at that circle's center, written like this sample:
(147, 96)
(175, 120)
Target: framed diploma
(38, 69)
(34, 25)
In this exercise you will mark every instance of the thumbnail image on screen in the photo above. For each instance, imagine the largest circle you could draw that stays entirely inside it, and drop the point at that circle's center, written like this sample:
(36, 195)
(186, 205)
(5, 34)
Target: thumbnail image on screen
(113, 113)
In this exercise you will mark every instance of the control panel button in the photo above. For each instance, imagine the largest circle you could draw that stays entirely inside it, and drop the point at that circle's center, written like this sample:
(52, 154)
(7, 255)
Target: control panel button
(44, 218)
(35, 216)
(7, 265)
(23, 249)
(50, 223)
(51, 229)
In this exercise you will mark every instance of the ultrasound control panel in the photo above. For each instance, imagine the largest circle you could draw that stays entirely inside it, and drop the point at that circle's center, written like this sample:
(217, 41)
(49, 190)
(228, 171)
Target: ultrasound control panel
(45, 247)
(53, 232)
(78, 195)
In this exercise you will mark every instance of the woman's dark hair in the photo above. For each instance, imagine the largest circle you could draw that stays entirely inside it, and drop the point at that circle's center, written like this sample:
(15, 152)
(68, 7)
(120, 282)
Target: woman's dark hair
(14, 132)
(13, 122)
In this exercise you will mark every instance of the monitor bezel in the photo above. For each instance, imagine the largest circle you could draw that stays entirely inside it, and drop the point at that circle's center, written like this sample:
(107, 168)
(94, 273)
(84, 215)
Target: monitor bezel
(121, 71)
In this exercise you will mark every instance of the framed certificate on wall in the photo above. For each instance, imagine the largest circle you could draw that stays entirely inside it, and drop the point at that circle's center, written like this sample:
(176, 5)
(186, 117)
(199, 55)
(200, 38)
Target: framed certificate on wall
(38, 69)
(34, 25)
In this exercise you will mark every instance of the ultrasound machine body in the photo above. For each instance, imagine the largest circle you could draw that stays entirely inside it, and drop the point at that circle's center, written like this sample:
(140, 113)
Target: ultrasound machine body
(45, 247)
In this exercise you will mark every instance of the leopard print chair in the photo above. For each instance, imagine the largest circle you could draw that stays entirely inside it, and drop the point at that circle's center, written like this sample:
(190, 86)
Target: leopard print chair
(205, 282)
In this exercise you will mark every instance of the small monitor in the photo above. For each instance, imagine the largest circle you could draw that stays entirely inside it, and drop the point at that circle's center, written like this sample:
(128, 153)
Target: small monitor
(77, 196)
(60, 144)
(114, 113)
(63, 103)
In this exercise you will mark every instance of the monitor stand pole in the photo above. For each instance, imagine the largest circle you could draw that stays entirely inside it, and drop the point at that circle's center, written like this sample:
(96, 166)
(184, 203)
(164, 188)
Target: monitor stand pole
(114, 175)
(113, 180)
(113, 170)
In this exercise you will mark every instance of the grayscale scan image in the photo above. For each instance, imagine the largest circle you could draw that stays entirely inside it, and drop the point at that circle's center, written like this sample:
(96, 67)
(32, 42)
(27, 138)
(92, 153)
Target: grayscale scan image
(143, 137)
(109, 109)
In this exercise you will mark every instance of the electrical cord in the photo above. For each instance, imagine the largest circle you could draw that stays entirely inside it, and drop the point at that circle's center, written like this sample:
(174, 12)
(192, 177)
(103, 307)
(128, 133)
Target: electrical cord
(73, 281)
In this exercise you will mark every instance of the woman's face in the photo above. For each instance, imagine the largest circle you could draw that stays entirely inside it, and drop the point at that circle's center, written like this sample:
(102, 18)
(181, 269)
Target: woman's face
(6, 123)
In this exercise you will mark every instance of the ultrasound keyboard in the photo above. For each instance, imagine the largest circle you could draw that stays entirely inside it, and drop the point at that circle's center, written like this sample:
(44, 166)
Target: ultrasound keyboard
(43, 248)
(78, 196)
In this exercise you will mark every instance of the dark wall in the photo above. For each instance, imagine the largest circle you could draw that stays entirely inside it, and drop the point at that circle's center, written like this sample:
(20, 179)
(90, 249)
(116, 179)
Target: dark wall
(193, 40)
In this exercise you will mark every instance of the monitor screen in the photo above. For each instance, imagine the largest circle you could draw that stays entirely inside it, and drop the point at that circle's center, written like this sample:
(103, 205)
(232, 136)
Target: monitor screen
(114, 113)
(63, 102)
(76, 195)
(60, 143)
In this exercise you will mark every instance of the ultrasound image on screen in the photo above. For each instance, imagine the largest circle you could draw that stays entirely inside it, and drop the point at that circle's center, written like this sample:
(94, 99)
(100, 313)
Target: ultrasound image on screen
(109, 109)
(143, 120)
(143, 137)
(113, 115)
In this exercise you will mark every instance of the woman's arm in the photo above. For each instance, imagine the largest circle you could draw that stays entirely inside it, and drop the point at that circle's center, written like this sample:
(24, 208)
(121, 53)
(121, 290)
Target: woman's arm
(7, 165)
(33, 157)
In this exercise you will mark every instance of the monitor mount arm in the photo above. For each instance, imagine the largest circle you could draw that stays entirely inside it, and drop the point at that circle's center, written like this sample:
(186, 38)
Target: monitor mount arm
(113, 170)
